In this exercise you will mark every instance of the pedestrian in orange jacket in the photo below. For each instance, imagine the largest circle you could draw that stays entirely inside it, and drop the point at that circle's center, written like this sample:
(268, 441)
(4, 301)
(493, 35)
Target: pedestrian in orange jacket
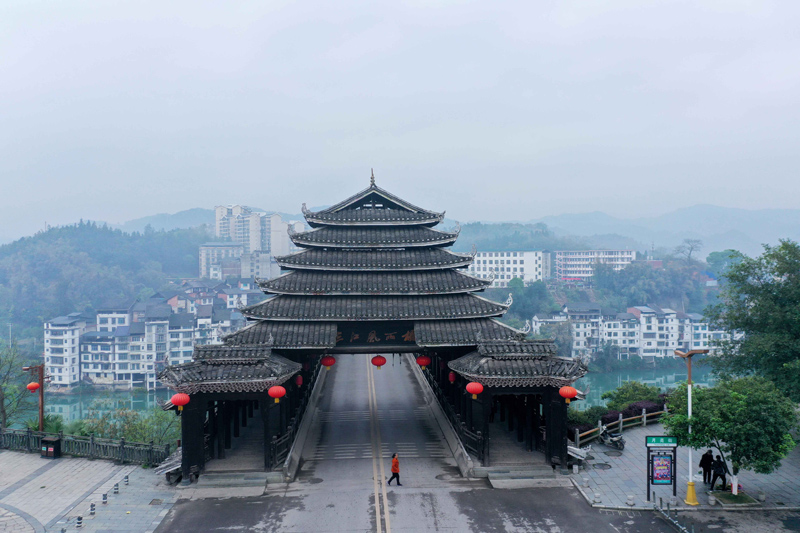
(395, 471)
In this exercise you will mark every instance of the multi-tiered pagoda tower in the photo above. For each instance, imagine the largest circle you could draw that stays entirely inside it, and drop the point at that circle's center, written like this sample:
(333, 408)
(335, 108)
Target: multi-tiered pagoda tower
(374, 276)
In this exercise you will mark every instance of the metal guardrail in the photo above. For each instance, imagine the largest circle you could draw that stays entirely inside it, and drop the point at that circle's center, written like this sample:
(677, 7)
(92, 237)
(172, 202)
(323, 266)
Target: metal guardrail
(79, 446)
(634, 421)
(473, 441)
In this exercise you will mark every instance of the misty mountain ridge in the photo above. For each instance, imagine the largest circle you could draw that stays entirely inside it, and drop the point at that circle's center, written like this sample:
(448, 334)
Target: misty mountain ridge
(719, 228)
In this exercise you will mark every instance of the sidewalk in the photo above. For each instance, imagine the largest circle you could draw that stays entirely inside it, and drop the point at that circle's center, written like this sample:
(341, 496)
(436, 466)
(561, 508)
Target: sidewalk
(627, 476)
(38, 495)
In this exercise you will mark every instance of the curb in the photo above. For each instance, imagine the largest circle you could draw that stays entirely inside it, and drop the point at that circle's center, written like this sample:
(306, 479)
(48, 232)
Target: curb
(693, 508)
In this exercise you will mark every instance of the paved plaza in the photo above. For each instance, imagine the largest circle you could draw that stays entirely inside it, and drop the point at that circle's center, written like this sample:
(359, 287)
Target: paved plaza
(627, 476)
(38, 495)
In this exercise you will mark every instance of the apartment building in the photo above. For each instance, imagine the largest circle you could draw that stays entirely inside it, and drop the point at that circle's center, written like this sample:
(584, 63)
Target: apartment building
(647, 331)
(528, 266)
(216, 257)
(62, 348)
(578, 265)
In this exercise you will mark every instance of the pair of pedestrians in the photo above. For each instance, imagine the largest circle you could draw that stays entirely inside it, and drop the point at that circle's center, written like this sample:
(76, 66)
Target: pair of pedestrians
(395, 471)
(716, 466)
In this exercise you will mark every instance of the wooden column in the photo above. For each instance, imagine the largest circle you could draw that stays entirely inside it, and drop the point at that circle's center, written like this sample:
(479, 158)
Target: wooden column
(267, 436)
(556, 428)
(192, 436)
(520, 414)
(537, 422)
(528, 424)
(243, 408)
(511, 402)
(220, 422)
(236, 418)
(227, 422)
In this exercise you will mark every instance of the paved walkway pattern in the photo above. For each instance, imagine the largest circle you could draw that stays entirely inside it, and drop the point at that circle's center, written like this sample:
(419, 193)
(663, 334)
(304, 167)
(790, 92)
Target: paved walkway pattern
(628, 476)
(38, 495)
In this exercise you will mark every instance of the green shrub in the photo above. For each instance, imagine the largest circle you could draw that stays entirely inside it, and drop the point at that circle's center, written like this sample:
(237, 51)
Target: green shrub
(629, 392)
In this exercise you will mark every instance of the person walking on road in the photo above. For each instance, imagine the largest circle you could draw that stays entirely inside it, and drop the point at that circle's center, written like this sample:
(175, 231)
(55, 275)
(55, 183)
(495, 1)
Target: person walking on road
(706, 462)
(720, 470)
(395, 471)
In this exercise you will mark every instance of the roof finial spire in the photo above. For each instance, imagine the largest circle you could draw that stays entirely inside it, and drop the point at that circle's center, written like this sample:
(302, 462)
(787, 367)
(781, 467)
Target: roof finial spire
(372, 177)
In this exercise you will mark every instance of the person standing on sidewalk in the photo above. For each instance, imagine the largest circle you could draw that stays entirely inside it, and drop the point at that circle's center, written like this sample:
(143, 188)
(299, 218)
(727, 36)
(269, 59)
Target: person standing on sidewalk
(720, 470)
(706, 462)
(395, 471)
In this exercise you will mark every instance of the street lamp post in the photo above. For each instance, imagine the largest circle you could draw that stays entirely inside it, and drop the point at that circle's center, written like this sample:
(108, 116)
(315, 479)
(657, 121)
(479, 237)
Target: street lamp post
(691, 495)
(38, 372)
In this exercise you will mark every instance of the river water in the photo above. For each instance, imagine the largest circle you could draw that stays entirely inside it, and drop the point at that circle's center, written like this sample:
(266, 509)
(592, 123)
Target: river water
(79, 405)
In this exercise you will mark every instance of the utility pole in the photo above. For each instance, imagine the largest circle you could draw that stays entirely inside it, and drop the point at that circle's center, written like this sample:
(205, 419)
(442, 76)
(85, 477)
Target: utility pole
(691, 495)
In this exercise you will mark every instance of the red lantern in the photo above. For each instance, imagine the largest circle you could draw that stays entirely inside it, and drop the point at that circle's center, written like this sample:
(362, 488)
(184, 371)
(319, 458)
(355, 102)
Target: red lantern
(379, 361)
(328, 361)
(180, 400)
(298, 380)
(452, 377)
(423, 361)
(568, 393)
(33, 387)
(474, 388)
(277, 392)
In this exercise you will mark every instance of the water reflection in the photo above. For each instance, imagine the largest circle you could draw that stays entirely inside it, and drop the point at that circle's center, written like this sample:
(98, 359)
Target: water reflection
(664, 379)
(78, 406)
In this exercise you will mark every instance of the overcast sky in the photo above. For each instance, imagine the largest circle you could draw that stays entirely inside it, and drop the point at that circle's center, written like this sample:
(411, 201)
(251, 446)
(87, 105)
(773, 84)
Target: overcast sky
(490, 110)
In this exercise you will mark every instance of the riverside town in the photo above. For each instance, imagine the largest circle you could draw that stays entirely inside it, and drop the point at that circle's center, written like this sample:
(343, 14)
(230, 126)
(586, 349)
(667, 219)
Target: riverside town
(412, 266)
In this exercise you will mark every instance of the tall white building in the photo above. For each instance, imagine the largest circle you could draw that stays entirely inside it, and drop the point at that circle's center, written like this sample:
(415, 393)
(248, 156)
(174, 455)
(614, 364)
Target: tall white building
(62, 348)
(254, 230)
(527, 266)
(578, 265)
(215, 255)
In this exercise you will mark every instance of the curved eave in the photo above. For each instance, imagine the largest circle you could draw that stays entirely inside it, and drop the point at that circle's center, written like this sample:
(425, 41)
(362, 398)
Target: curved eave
(387, 318)
(319, 222)
(500, 381)
(368, 268)
(375, 246)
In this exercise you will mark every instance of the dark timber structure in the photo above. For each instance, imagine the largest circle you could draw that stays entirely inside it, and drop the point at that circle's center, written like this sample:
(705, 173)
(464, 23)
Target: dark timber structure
(374, 277)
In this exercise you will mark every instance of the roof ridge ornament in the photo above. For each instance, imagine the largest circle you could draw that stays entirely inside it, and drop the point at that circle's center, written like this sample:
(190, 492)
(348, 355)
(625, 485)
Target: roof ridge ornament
(527, 329)
(474, 251)
(457, 229)
(510, 300)
(305, 209)
(372, 177)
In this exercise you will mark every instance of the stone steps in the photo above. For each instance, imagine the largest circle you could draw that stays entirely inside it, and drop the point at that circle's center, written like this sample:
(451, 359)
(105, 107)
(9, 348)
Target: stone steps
(233, 479)
(530, 483)
(529, 470)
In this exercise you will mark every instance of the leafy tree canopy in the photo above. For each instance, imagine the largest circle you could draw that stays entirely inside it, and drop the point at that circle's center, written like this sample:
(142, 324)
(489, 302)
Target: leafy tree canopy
(761, 299)
(748, 419)
(629, 392)
(79, 267)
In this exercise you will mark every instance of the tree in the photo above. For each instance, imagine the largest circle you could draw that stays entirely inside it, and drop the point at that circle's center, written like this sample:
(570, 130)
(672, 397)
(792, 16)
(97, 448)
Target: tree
(748, 420)
(561, 332)
(688, 247)
(13, 404)
(629, 392)
(720, 262)
(761, 302)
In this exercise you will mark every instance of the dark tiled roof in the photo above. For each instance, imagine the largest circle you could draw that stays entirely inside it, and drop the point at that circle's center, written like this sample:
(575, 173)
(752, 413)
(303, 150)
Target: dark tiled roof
(426, 282)
(225, 354)
(416, 259)
(286, 335)
(516, 349)
(373, 237)
(373, 193)
(463, 332)
(331, 308)
(373, 217)
(207, 376)
(520, 370)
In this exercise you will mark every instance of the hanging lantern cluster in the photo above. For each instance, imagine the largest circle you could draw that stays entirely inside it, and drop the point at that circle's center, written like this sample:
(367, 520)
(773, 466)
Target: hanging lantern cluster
(423, 361)
(328, 362)
(180, 399)
(567, 393)
(33, 387)
(277, 392)
(379, 361)
(474, 388)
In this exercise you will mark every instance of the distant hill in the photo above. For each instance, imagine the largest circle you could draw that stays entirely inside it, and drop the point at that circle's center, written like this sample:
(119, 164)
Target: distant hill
(719, 228)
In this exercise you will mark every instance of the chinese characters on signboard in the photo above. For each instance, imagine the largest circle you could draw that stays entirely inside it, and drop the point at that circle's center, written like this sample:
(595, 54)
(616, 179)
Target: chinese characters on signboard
(375, 334)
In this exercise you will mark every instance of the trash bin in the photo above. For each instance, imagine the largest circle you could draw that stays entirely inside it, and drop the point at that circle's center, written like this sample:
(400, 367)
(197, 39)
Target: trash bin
(51, 447)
